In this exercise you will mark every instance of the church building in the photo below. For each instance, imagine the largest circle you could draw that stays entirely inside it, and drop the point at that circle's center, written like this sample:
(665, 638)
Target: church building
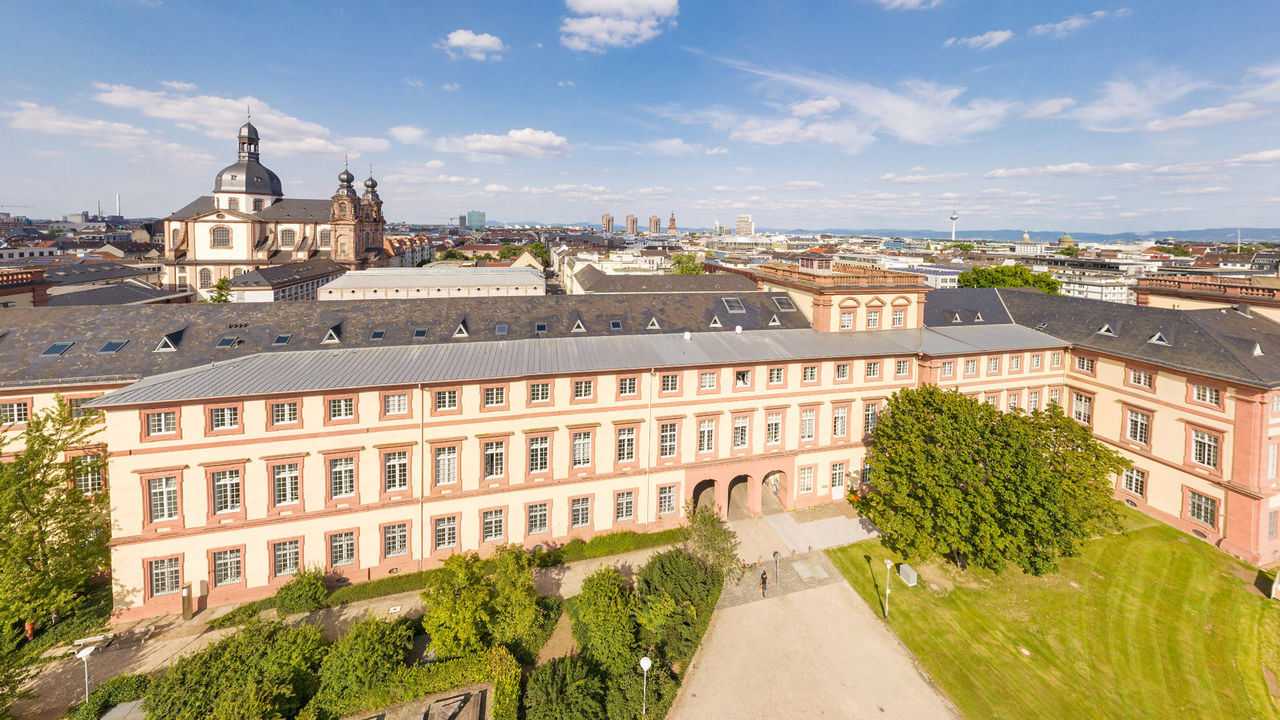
(247, 224)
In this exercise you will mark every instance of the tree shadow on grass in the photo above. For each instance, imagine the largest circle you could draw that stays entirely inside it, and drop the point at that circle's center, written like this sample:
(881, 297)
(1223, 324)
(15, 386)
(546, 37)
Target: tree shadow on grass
(875, 584)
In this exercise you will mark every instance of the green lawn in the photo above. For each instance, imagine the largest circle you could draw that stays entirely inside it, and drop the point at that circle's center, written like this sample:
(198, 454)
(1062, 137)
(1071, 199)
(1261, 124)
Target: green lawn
(1149, 623)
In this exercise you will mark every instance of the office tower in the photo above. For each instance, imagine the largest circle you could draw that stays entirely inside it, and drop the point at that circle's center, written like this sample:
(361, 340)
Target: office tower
(745, 226)
(606, 223)
(655, 225)
(632, 226)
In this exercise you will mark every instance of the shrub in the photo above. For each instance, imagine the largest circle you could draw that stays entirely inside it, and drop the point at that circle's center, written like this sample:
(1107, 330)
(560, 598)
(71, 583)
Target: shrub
(243, 614)
(612, 543)
(495, 665)
(626, 695)
(692, 587)
(366, 657)
(390, 585)
(602, 620)
(564, 689)
(304, 593)
(515, 616)
(271, 666)
(119, 689)
(457, 609)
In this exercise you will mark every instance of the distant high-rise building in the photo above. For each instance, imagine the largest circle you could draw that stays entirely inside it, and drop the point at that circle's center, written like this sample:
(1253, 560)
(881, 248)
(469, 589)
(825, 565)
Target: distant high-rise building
(462, 222)
(745, 226)
(475, 220)
(655, 224)
(632, 226)
(671, 226)
(606, 223)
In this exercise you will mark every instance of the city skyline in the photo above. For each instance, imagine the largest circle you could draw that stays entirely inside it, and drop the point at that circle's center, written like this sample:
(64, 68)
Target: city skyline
(1093, 117)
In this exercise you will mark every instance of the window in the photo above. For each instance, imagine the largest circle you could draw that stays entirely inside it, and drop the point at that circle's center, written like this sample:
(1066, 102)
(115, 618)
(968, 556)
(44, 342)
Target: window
(342, 409)
(1141, 378)
(284, 483)
(580, 512)
(970, 367)
(581, 449)
(740, 431)
(742, 378)
(160, 423)
(873, 319)
(667, 500)
(284, 413)
(537, 519)
(446, 400)
(539, 454)
(495, 396)
(166, 577)
(901, 368)
(446, 533)
(1053, 396)
(56, 349)
(839, 421)
(342, 549)
(112, 347)
(624, 506)
(583, 389)
(164, 498)
(78, 410)
(1013, 401)
(1202, 508)
(873, 368)
(626, 444)
(395, 470)
(733, 305)
(809, 373)
(899, 318)
(1204, 448)
(948, 369)
(288, 238)
(627, 386)
(1271, 460)
(395, 404)
(326, 238)
(220, 238)
(87, 470)
(1273, 519)
(667, 440)
(224, 418)
(1055, 360)
(842, 371)
(1084, 364)
(226, 491)
(846, 320)
(257, 206)
(1208, 395)
(1015, 363)
(1139, 427)
(776, 375)
(227, 567)
(541, 392)
(837, 476)
(784, 304)
(227, 342)
(342, 477)
(17, 412)
(773, 428)
(707, 381)
(492, 525)
(395, 540)
(993, 365)
(808, 423)
(286, 557)
(1134, 481)
(1035, 361)
(992, 400)
(806, 479)
(1082, 408)
(495, 458)
(706, 436)
(870, 417)
(1033, 401)
(670, 383)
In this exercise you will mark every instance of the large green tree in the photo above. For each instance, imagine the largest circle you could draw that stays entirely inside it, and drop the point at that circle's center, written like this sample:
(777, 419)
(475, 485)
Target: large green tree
(564, 689)
(515, 612)
(1008, 276)
(686, 264)
(457, 609)
(954, 476)
(604, 625)
(712, 541)
(54, 532)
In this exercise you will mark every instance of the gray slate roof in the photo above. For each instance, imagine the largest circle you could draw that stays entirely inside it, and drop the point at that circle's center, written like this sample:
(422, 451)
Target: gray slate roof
(594, 280)
(95, 272)
(195, 208)
(318, 370)
(1217, 342)
(296, 210)
(282, 275)
(123, 293)
(195, 329)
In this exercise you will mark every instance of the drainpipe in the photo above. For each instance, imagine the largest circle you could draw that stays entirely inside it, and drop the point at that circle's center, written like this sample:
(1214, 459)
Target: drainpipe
(422, 474)
(649, 460)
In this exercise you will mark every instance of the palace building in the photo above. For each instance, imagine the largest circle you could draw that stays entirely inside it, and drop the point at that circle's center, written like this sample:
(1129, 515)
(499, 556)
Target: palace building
(247, 224)
(369, 438)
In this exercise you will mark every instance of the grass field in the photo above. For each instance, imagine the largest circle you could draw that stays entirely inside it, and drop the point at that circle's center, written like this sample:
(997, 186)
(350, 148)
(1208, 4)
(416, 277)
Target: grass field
(1148, 623)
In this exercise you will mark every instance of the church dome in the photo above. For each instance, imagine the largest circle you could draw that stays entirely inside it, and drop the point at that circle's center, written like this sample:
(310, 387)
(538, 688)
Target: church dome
(248, 131)
(346, 178)
(250, 177)
(371, 183)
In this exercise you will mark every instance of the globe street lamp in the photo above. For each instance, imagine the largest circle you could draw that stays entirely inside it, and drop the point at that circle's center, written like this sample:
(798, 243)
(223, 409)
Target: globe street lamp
(645, 664)
(84, 655)
(777, 578)
(888, 567)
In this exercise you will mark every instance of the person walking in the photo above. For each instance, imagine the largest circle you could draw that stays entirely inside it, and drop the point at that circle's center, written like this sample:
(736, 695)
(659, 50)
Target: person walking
(764, 582)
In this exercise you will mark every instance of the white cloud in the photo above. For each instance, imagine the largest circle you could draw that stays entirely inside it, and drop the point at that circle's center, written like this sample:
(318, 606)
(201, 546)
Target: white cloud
(816, 106)
(178, 85)
(468, 44)
(413, 83)
(909, 4)
(565, 83)
(603, 24)
(1046, 108)
(527, 143)
(407, 134)
(934, 178)
(1200, 117)
(366, 144)
(433, 164)
(1198, 191)
(1066, 169)
(673, 147)
(1262, 83)
(494, 188)
(450, 86)
(802, 185)
(655, 190)
(1065, 27)
(985, 41)
(717, 151)
(137, 142)
(1125, 105)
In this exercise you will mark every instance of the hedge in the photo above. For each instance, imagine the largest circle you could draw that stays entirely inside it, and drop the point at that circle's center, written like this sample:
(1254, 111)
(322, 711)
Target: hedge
(119, 689)
(609, 544)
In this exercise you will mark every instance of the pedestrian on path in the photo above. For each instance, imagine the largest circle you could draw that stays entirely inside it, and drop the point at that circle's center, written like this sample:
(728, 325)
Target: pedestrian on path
(764, 582)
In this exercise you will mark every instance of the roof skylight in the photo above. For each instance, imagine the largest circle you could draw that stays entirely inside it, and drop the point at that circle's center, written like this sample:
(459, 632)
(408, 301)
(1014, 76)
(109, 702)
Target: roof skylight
(57, 348)
(733, 305)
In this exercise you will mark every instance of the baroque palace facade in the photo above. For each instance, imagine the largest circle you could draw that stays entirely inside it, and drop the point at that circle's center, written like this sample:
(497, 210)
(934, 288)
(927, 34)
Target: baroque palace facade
(247, 224)
(376, 437)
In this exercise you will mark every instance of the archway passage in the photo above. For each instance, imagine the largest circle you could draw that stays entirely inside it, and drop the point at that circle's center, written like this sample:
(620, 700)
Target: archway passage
(739, 498)
(773, 486)
(704, 494)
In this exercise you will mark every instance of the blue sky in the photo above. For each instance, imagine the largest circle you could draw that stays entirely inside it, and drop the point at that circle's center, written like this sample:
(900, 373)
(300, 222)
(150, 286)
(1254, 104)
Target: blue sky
(1082, 116)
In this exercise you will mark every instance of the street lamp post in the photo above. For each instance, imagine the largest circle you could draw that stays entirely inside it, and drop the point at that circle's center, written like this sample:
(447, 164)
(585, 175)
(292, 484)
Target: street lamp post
(645, 664)
(84, 656)
(777, 578)
(888, 567)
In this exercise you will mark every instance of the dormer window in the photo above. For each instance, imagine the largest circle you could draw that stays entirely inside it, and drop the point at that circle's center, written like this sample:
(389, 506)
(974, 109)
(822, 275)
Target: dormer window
(257, 205)
(1158, 339)
(1106, 330)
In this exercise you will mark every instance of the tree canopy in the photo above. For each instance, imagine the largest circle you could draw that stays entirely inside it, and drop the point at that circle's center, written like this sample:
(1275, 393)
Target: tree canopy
(1008, 276)
(952, 476)
(1069, 251)
(686, 264)
(221, 292)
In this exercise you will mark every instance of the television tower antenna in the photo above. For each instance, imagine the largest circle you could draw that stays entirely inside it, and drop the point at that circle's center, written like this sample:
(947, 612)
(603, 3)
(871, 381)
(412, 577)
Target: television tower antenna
(954, 218)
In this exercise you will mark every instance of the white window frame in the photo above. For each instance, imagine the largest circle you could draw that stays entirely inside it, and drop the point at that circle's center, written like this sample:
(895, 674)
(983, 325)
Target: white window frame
(538, 518)
(539, 454)
(228, 567)
(284, 413)
(342, 549)
(493, 525)
(581, 449)
(226, 491)
(624, 506)
(342, 408)
(395, 404)
(626, 444)
(342, 477)
(395, 470)
(580, 512)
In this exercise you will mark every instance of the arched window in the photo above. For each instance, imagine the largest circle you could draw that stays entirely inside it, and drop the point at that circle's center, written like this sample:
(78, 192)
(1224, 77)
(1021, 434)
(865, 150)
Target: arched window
(326, 238)
(237, 272)
(221, 237)
(287, 238)
(206, 278)
(174, 235)
(367, 235)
